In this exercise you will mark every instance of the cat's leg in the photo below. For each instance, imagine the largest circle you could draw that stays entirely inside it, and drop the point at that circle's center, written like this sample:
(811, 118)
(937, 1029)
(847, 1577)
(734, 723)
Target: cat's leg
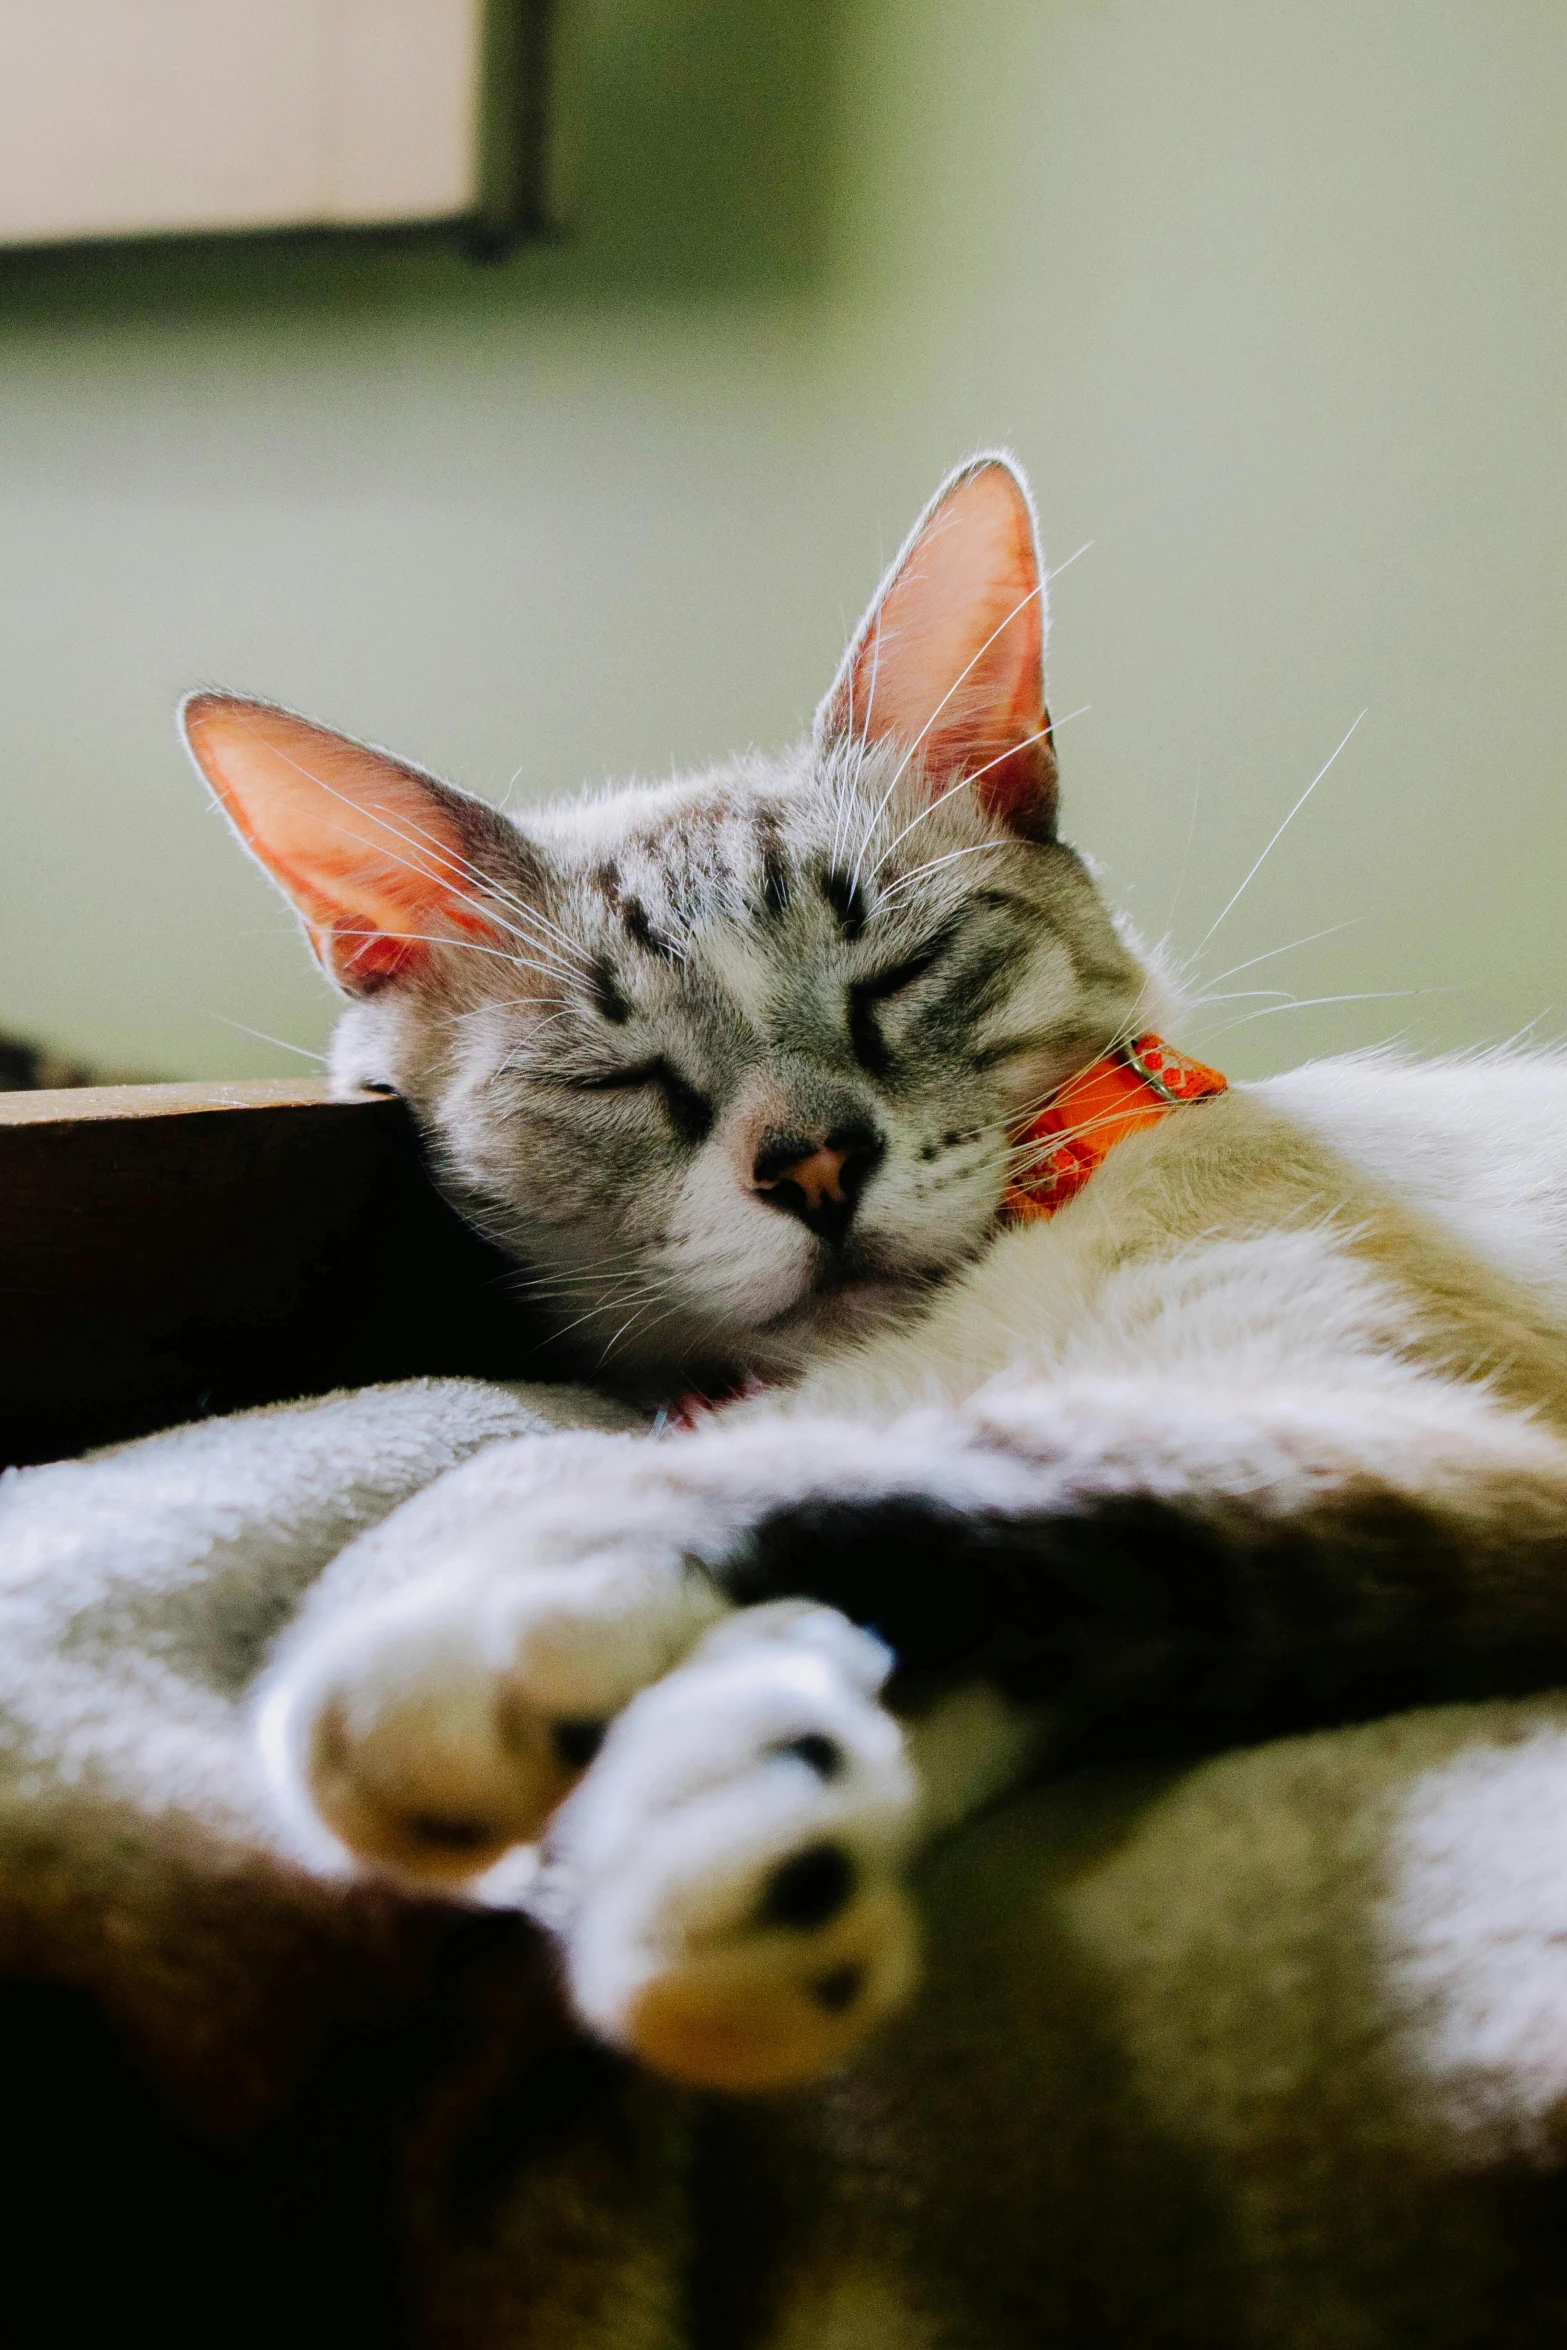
(751, 1808)
(453, 1673)
(1152, 1564)
(1147, 1558)
(1183, 1561)
(727, 1878)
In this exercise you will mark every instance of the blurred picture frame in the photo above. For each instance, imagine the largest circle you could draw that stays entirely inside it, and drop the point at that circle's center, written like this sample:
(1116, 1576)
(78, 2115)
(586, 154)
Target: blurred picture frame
(128, 120)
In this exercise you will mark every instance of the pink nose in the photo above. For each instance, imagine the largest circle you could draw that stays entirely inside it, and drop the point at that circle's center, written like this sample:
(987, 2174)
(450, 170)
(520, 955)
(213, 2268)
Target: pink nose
(819, 1175)
(817, 1182)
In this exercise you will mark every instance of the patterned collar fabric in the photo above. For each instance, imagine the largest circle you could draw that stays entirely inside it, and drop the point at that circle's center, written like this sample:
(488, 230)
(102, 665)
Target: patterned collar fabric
(1134, 1084)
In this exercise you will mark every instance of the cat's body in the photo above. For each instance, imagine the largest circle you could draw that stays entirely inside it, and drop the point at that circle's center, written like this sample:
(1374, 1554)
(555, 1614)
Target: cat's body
(1266, 1428)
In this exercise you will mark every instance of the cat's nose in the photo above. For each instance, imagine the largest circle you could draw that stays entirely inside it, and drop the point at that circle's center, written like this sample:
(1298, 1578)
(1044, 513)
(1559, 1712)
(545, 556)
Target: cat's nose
(818, 1181)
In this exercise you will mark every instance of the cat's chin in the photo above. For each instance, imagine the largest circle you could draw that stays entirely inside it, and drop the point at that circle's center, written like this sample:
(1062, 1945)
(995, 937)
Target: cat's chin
(840, 1312)
(867, 1288)
(778, 1350)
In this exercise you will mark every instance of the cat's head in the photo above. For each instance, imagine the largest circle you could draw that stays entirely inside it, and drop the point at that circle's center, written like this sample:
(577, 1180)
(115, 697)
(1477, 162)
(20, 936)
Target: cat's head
(732, 1063)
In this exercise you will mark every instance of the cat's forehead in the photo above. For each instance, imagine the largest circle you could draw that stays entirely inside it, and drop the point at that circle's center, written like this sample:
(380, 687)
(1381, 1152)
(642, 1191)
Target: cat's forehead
(753, 827)
(749, 843)
(721, 818)
(748, 889)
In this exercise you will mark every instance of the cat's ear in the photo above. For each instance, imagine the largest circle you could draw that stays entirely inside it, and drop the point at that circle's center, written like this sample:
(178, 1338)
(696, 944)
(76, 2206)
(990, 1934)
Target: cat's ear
(385, 864)
(948, 664)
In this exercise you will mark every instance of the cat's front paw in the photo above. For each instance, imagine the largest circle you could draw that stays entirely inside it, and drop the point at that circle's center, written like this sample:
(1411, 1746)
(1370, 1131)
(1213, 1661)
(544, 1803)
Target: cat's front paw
(430, 1732)
(726, 1878)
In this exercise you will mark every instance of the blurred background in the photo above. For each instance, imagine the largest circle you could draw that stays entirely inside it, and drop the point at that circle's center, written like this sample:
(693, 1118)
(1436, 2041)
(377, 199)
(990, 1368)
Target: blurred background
(1266, 294)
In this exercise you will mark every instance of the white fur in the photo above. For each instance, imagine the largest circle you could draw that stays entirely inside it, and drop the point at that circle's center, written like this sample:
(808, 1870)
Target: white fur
(143, 1587)
(665, 1849)
(1475, 1141)
(1119, 1348)
(1479, 1145)
(1352, 1279)
(1474, 1932)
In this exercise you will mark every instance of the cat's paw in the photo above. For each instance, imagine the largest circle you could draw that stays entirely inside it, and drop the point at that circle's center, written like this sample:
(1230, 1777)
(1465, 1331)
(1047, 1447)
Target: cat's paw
(726, 1879)
(428, 1733)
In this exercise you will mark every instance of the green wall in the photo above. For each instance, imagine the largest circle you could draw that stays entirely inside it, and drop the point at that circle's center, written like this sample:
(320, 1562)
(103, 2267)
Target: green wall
(1268, 298)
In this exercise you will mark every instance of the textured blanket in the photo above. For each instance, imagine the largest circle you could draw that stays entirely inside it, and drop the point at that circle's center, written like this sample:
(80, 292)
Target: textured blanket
(1270, 2051)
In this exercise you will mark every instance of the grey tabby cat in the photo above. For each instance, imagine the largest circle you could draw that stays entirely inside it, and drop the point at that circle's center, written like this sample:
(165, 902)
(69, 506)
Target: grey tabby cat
(1265, 1428)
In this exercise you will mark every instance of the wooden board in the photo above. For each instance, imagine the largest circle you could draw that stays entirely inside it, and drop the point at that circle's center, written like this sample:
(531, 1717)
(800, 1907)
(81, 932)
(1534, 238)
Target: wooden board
(169, 1251)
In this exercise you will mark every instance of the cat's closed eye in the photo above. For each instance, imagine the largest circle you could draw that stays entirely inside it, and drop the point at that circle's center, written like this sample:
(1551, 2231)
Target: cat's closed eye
(870, 1046)
(901, 975)
(690, 1111)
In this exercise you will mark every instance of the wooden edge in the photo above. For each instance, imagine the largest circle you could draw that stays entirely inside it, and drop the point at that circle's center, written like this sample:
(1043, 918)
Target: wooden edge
(165, 1256)
(87, 1105)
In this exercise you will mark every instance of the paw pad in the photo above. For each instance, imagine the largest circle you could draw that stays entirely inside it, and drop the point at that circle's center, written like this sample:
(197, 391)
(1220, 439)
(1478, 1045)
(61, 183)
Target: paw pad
(429, 1735)
(809, 1889)
(820, 1754)
(838, 1990)
(725, 1876)
(577, 1742)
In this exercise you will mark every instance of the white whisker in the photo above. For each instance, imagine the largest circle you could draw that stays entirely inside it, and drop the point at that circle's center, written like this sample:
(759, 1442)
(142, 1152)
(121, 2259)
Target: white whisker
(964, 781)
(608, 1305)
(1070, 560)
(979, 848)
(1237, 995)
(492, 920)
(1273, 843)
(629, 1324)
(379, 817)
(1369, 995)
(488, 883)
(1310, 939)
(466, 946)
(303, 1050)
(1186, 856)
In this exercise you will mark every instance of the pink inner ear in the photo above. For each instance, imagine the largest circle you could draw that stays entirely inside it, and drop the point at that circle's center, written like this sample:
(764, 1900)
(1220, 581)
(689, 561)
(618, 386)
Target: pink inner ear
(367, 849)
(949, 660)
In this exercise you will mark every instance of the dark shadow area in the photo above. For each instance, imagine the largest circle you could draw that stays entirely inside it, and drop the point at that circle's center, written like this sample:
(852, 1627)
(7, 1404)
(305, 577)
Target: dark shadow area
(124, 2220)
(697, 137)
(121, 2221)
(162, 1268)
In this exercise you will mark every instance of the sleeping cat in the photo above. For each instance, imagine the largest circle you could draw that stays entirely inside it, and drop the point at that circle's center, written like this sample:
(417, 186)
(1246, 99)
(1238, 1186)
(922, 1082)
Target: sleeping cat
(1101, 1406)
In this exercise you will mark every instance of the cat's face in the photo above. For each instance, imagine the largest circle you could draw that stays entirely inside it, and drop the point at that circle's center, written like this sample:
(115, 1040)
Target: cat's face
(732, 1064)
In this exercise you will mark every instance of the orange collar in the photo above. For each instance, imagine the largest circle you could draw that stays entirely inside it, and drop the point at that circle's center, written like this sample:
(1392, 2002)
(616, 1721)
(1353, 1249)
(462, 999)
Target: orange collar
(1134, 1084)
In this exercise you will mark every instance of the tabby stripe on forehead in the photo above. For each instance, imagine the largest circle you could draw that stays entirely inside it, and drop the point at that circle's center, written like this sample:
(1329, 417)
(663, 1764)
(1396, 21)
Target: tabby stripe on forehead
(606, 995)
(847, 900)
(775, 870)
(640, 928)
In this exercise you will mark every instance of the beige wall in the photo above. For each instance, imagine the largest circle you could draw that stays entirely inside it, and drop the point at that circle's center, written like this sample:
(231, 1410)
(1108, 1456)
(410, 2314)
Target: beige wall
(1268, 296)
